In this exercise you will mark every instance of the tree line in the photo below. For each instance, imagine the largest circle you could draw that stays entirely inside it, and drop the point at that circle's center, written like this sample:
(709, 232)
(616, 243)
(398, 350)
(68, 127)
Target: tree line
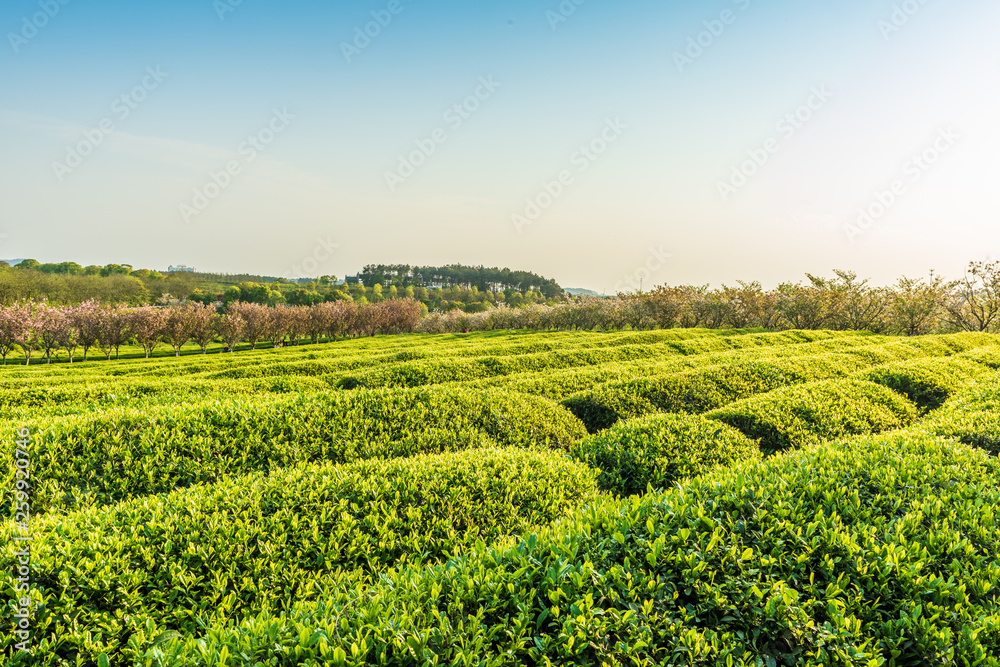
(70, 283)
(911, 307)
(458, 275)
(466, 299)
(32, 326)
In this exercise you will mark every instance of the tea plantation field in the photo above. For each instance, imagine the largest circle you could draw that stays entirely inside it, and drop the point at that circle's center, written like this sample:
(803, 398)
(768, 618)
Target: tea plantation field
(669, 497)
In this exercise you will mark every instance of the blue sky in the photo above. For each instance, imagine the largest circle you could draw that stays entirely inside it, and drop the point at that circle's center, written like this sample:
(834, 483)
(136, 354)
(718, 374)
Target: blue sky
(364, 158)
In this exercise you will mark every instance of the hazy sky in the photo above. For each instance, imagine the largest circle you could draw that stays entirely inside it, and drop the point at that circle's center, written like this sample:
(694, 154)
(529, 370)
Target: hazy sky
(586, 140)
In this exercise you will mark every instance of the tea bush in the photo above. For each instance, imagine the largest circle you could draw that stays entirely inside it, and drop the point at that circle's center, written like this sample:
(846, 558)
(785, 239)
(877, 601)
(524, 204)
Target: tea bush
(811, 413)
(739, 340)
(988, 356)
(249, 544)
(873, 551)
(123, 453)
(830, 360)
(186, 478)
(634, 348)
(927, 382)
(656, 450)
(691, 392)
(971, 416)
(425, 372)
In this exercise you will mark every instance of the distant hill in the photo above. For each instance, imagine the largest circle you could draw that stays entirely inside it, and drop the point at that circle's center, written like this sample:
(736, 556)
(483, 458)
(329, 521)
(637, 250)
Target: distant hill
(12, 262)
(579, 291)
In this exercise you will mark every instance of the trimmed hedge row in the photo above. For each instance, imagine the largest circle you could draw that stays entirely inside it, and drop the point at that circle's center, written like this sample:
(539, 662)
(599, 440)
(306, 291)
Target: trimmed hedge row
(888, 350)
(107, 392)
(876, 551)
(124, 453)
(691, 392)
(180, 561)
(739, 340)
(928, 382)
(305, 367)
(971, 416)
(612, 338)
(90, 399)
(436, 371)
(474, 348)
(657, 450)
(431, 371)
(988, 356)
(355, 360)
(560, 384)
(350, 352)
(697, 390)
(956, 342)
(810, 413)
(479, 356)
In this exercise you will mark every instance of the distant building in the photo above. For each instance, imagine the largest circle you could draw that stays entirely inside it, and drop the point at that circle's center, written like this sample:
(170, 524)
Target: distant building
(180, 269)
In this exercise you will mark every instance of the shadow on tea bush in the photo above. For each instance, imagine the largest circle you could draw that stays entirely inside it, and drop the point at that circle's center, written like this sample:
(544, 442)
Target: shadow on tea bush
(810, 413)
